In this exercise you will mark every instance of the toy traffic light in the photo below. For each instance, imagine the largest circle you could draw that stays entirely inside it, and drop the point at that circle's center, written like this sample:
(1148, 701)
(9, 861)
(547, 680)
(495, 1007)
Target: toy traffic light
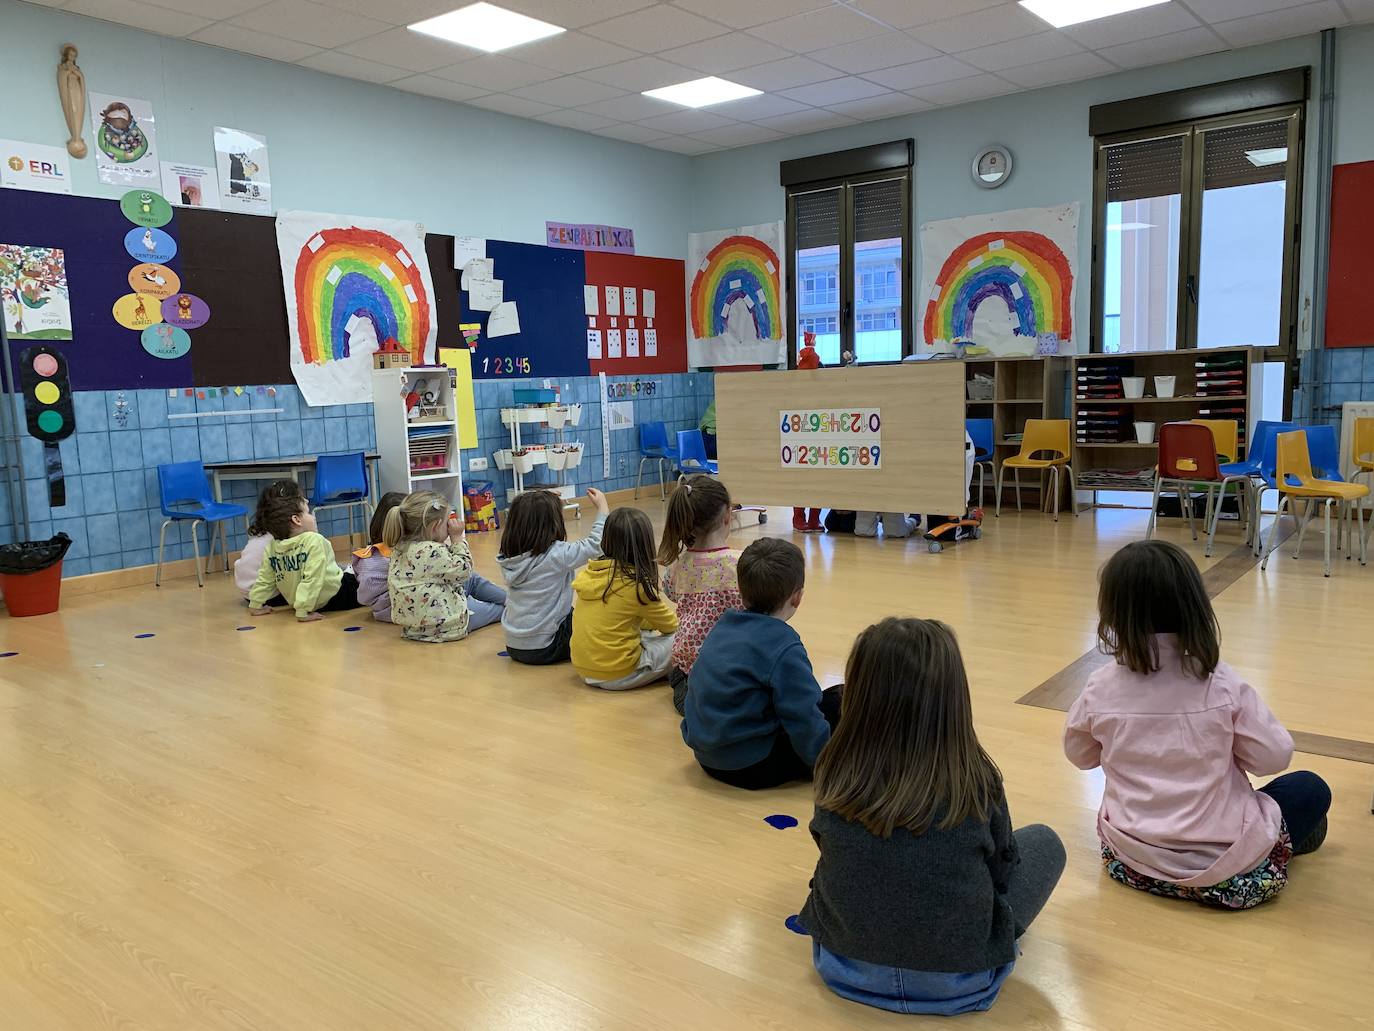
(47, 394)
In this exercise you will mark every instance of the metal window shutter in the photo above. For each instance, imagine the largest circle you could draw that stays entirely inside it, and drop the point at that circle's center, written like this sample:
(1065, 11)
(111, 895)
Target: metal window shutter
(817, 219)
(878, 210)
(1147, 168)
(1225, 159)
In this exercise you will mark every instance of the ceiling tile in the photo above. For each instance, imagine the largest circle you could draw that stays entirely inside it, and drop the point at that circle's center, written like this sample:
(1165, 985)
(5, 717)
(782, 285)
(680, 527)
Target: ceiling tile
(685, 121)
(1360, 10)
(441, 88)
(724, 53)
(508, 105)
(1061, 69)
(402, 48)
(571, 52)
(570, 14)
(753, 12)
(1043, 46)
(246, 41)
(962, 91)
(568, 91)
(834, 91)
(754, 109)
(982, 28)
(889, 105)
(684, 145)
(808, 121)
(1159, 20)
(903, 14)
(922, 73)
(738, 135)
(395, 12)
(655, 28)
(49, 3)
(1262, 28)
(575, 120)
(1164, 49)
(631, 108)
(213, 10)
(1224, 10)
(349, 67)
(630, 133)
(885, 51)
(826, 27)
(495, 73)
(139, 16)
(308, 22)
(784, 74)
(643, 73)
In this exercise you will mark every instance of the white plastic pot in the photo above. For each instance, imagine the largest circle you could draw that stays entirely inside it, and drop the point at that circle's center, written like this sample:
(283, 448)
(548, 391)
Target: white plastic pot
(503, 458)
(574, 457)
(557, 459)
(556, 417)
(1145, 433)
(1164, 386)
(1133, 387)
(574, 414)
(523, 463)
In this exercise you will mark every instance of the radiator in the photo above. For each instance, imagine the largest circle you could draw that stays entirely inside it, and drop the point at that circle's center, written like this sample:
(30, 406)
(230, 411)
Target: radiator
(1350, 411)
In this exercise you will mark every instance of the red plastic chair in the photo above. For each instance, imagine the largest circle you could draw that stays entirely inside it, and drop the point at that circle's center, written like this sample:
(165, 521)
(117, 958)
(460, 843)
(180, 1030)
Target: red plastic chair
(1187, 460)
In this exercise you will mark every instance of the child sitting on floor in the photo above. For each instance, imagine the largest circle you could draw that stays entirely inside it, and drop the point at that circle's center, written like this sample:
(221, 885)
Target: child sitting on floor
(622, 629)
(298, 564)
(701, 578)
(249, 563)
(755, 716)
(538, 564)
(370, 564)
(435, 594)
(922, 888)
(1176, 730)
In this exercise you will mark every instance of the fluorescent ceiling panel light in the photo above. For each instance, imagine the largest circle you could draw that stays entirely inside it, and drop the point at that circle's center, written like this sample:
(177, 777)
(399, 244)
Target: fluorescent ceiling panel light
(1129, 227)
(1060, 13)
(486, 27)
(702, 92)
(1267, 156)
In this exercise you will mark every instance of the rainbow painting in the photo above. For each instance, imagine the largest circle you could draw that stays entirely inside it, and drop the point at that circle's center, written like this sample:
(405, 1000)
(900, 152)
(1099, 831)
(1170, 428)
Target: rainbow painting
(738, 268)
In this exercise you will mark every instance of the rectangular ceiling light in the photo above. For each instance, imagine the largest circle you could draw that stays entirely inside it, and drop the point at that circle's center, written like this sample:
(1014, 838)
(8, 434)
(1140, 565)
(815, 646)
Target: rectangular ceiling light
(486, 27)
(1060, 13)
(1267, 156)
(702, 92)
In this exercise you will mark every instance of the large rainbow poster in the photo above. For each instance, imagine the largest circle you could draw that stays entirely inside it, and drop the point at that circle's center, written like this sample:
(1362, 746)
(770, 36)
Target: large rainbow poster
(351, 284)
(735, 302)
(1002, 283)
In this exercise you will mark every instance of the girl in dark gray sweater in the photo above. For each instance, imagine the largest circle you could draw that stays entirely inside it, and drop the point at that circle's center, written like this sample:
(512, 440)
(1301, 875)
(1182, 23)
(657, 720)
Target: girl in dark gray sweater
(922, 889)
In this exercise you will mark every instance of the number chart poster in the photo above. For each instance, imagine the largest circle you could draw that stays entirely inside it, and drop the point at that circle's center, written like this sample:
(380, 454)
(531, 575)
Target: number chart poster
(831, 438)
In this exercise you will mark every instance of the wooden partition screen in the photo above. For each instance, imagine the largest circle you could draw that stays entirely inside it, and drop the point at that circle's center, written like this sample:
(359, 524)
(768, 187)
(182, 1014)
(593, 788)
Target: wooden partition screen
(921, 425)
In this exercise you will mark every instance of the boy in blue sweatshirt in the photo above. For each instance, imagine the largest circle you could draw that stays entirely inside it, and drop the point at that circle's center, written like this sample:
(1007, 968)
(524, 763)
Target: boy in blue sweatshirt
(755, 716)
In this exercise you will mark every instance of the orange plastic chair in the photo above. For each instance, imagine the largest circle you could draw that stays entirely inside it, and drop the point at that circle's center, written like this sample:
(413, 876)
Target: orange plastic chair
(1040, 436)
(1293, 475)
(1187, 459)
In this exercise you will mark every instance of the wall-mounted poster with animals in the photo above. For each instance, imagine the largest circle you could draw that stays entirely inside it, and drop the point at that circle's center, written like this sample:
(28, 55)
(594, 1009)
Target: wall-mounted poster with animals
(125, 140)
(245, 179)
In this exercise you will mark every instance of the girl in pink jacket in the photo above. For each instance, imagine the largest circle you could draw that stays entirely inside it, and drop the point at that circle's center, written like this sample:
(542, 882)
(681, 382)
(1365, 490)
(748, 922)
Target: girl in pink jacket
(1175, 731)
(370, 564)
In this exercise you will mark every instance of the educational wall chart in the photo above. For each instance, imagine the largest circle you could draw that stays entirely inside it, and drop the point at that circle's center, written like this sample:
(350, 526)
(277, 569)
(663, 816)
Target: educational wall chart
(1003, 282)
(350, 285)
(33, 292)
(245, 177)
(735, 297)
(834, 438)
(125, 134)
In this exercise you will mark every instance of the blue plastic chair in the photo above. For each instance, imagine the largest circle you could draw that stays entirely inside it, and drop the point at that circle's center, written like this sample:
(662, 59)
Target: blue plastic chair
(654, 447)
(691, 450)
(341, 482)
(185, 494)
(980, 432)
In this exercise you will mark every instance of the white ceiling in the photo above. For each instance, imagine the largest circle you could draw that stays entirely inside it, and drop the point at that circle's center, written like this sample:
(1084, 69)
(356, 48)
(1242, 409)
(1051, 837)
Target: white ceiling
(821, 63)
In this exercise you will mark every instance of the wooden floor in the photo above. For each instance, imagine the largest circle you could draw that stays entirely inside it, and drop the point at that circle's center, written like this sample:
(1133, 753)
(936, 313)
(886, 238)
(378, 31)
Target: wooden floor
(299, 828)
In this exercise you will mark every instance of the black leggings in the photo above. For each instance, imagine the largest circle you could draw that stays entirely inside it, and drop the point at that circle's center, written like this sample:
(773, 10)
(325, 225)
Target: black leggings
(782, 763)
(556, 651)
(346, 597)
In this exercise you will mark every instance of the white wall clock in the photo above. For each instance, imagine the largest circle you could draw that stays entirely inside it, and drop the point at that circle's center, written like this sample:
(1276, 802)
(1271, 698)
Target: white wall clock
(992, 166)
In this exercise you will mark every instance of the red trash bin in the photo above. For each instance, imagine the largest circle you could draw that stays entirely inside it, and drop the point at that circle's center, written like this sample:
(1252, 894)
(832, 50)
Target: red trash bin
(32, 594)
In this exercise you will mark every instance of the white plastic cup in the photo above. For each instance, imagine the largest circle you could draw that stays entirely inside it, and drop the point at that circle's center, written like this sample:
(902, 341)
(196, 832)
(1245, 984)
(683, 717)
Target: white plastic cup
(1145, 432)
(1133, 387)
(1164, 386)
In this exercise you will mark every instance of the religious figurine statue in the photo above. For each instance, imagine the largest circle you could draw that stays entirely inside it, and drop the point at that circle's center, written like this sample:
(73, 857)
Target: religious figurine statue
(71, 91)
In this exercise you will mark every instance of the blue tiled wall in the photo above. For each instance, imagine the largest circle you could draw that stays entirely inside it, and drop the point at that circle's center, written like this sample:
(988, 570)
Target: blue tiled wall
(112, 512)
(1345, 374)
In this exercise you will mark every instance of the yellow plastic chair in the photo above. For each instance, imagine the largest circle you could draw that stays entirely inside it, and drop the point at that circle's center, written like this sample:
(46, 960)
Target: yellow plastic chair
(1226, 435)
(1362, 449)
(1293, 474)
(1040, 436)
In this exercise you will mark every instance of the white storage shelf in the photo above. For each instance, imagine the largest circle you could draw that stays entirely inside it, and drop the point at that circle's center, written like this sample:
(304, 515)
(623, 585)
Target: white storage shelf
(558, 454)
(394, 438)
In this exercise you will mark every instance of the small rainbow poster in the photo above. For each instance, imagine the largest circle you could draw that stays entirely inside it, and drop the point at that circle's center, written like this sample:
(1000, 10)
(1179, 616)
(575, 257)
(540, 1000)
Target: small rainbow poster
(1004, 283)
(735, 301)
(352, 284)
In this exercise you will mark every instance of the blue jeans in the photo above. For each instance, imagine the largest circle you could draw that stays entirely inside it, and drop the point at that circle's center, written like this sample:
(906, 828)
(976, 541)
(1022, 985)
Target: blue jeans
(486, 602)
(1303, 799)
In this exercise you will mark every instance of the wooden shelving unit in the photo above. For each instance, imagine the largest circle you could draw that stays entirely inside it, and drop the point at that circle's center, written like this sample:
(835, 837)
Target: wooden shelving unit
(1023, 388)
(1099, 447)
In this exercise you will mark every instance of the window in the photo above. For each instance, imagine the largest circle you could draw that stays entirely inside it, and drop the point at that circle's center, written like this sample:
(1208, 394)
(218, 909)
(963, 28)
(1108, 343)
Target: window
(1196, 221)
(849, 251)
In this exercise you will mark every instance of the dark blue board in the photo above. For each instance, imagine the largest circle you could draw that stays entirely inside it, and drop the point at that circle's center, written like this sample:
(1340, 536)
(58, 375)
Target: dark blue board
(546, 285)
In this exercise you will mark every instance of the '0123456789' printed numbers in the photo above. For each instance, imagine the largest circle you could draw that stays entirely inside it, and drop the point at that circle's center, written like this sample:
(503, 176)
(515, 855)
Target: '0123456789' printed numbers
(831, 438)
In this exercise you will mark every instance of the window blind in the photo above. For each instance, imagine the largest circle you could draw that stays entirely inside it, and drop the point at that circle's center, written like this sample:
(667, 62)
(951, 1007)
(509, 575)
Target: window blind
(817, 219)
(1146, 168)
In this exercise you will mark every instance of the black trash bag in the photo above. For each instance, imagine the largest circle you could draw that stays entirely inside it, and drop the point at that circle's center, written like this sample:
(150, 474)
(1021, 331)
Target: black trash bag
(33, 556)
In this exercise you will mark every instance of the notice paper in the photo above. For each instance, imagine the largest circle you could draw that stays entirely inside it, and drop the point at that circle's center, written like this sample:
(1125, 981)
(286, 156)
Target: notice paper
(632, 343)
(613, 343)
(593, 345)
(466, 248)
(476, 270)
(591, 300)
(464, 401)
(486, 294)
(612, 300)
(631, 300)
(651, 343)
(504, 320)
(650, 302)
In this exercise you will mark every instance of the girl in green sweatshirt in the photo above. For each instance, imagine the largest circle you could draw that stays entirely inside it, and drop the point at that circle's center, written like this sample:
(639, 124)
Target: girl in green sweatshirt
(299, 565)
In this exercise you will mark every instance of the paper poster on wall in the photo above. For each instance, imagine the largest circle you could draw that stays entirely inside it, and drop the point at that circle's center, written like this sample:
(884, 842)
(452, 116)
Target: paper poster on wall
(351, 284)
(631, 343)
(735, 297)
(125, 137)
(150, 245)
(466, 248)
(593, 344)
(1002, 284)
(485, 294)
(136, 311)
(185, 310)
(591, 300)
(464, 397)
(651, 343)
(650, 304)
(504, 321)
(190, 186)
(621, 415)
(154, 280)
(164, 341)
(612, 301)
(613, 348)
(33, 166)
(245, 177)
(477, 270)
(833, 438)
(33, 292)
(631, 303)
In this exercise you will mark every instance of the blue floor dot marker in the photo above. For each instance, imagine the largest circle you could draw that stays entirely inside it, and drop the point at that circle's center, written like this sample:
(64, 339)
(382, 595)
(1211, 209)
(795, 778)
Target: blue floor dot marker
(351, 629)
(140, 637)
(780, 821)
(503, 655)
(793, 923)
(8, 655)
(242, 628)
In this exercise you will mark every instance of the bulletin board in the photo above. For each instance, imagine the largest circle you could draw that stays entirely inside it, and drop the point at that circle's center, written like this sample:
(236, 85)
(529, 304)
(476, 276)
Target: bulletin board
(662, 276)
(921, 408)
(1349, 314)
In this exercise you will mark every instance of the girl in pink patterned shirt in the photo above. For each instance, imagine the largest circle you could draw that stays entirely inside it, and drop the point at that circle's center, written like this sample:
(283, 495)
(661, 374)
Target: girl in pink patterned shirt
(701, 569)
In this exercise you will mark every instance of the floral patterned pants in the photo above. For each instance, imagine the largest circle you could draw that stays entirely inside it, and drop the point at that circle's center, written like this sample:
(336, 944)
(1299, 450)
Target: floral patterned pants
(1243, 891)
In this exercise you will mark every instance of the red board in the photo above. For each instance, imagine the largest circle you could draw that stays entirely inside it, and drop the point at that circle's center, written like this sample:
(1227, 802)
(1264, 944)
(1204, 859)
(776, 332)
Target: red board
(1349, 313)
(665, 277)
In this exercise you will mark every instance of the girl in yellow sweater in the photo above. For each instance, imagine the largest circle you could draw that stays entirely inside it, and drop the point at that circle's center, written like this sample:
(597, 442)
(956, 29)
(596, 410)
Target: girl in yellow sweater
(623, 629)
(298, 563)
